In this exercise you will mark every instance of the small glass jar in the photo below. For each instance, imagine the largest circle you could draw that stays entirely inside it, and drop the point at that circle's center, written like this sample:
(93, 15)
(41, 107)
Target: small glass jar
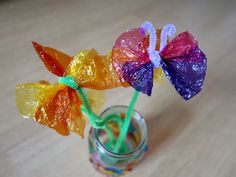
(116, 164)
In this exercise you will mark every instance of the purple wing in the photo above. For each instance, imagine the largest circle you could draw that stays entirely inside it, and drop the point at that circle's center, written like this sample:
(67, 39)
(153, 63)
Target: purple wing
(187, 73)
(139, 76)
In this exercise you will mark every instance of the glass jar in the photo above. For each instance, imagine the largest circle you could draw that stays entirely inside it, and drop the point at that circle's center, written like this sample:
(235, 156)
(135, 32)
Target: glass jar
(116, 164)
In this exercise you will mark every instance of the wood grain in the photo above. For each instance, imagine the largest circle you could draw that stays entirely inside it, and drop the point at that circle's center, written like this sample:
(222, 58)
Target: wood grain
(186, 139)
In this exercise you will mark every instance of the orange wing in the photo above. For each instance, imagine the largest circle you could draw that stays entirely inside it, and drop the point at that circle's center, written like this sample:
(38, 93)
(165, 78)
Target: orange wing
(54, 60)
(61, 111)
(56, 106)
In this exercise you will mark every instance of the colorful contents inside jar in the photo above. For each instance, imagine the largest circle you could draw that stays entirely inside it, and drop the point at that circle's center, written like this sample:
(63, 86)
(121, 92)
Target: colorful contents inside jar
(131, 152)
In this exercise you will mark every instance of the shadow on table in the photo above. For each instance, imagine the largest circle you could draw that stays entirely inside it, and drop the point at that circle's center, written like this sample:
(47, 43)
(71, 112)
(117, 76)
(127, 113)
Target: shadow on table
(167, 125)
(6, 1)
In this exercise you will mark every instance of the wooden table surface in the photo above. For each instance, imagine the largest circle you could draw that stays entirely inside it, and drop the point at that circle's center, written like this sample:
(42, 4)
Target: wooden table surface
(186, 139)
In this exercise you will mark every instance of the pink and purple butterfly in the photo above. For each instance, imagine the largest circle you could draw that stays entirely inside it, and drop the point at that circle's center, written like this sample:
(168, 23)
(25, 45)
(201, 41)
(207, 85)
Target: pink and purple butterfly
(181, 59)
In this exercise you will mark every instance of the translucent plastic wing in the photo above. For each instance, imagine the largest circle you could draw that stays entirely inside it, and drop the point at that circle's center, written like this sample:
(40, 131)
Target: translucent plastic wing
(180, 46)
(129, 46)
(56, 106)
(139, 75)
(54, 60)
(131, 61)
(184, 64)
(93, 71)
(96, 99)
(26, 99)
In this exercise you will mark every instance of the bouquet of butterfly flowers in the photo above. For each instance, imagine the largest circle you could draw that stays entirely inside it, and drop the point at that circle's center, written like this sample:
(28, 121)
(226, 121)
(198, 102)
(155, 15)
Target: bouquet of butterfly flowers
(138, 57)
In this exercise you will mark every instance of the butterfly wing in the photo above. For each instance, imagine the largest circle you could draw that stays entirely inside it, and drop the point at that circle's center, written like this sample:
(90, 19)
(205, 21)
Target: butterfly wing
(96, 99)
(131, 46)
(77, 121)
(180, 46)
(55, 106)
(54, 60)
(93, 71)
(128, 47)
(185, 65)
(139, 76)
(26, 99)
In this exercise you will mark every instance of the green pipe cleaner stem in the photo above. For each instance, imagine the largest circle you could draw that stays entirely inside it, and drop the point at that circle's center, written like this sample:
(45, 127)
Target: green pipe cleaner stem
(98, 122)
(125, 126)
(95, 120)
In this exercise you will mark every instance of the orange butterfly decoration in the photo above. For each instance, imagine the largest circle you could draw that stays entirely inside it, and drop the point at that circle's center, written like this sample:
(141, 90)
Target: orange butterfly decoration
(58, 106)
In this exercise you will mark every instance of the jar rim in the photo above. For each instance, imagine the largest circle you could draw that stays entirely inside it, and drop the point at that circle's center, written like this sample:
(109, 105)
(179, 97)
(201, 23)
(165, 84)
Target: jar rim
(141, 146)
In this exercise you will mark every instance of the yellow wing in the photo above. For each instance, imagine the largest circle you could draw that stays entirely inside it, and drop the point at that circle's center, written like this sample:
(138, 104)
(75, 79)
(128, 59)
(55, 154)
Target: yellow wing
(93, 71)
